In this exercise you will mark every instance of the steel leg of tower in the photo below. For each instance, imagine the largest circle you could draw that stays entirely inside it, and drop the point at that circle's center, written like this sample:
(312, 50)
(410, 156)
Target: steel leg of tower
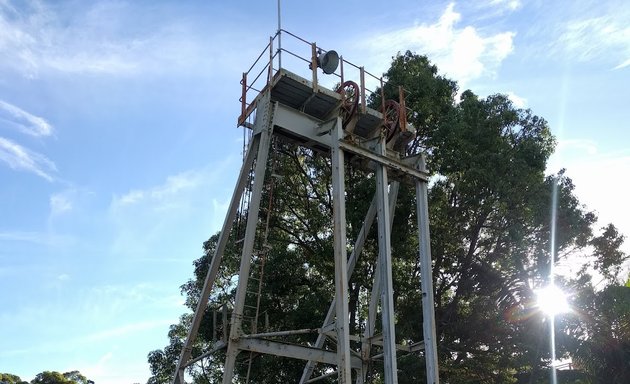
(426, 276)
(358, 247)
(266, 129)
(385, 256)
(352, 260)
(375, 295)
(341, 256)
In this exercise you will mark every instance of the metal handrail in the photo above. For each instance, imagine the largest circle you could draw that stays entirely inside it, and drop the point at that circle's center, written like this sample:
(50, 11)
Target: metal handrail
(294, 55)
(247, 106)
(258, 58)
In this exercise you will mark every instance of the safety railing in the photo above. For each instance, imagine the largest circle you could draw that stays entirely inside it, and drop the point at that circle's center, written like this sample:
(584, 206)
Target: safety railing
(292, 55)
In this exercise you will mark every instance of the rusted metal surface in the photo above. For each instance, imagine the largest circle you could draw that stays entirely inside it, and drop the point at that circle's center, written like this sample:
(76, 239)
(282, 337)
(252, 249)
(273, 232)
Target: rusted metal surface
(349, 92)
(254, 83)
(403, 108)
(243, 98)
(314, 65)
(363, 101)
(391, 118)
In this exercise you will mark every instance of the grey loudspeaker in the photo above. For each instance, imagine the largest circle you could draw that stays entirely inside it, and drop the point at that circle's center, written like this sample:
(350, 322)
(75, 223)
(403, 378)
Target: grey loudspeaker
(328, 62)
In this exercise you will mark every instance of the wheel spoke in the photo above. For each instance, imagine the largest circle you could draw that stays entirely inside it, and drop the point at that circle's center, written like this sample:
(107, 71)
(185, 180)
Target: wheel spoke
(349, 91)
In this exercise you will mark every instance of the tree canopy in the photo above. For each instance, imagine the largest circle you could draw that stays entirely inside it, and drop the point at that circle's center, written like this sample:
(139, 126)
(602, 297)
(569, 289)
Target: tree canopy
(48, 377)
(490, 205)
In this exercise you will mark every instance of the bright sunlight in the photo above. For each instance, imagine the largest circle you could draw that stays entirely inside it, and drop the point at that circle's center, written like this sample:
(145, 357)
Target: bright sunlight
(552, 300)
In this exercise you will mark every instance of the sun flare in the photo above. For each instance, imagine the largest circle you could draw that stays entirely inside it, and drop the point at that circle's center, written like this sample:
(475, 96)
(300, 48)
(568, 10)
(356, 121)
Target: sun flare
(552, 300)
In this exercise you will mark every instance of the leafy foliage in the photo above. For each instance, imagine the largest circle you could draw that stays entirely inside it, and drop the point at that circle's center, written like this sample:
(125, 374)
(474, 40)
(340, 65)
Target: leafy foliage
(8, 378)
(48, 377)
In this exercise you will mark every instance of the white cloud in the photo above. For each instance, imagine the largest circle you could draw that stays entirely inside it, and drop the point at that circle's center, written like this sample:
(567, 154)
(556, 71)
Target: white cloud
(20, 158)
(160, 194)
(63, 277)
(463, 53)
(597, 38)
(146, 221)
(36, 38)
(623, 65)
(577, 146)
(15, 155)
(518, 101)
(27, 123)
(123, 330)
(109, 38)
(512, 5)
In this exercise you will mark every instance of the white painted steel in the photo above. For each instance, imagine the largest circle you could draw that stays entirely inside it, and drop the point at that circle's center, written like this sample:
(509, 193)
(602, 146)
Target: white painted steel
(387, 285)
(264, 125)
(426, 279)
(294, 351)
(341, 256)
(375, 295)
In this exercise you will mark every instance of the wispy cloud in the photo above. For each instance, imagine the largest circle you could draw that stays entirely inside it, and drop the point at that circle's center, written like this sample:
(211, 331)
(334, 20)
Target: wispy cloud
(461, 52)
(63, 277)
(160, 194)
(596, 38)
(146, 220)
(582, 146)
(36, 37)
(19, 158)
(105, 37)
(15, 155)
(123, 330)
(25, 122)
(60, 203)
(512, 5)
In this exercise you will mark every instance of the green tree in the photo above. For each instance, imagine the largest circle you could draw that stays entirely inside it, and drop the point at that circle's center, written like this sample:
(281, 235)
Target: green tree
(602, 340)
(8, 378)
(54, 377)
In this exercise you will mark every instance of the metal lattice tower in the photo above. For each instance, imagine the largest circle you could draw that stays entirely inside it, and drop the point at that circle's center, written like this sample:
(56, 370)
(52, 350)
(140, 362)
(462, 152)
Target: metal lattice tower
(288, 106)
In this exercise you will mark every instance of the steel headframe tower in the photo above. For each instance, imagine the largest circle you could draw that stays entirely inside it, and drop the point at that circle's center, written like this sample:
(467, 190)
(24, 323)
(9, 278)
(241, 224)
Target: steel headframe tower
(338, 123)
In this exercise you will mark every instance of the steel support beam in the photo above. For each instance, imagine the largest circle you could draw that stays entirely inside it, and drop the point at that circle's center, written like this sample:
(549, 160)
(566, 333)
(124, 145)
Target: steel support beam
(252, 151)
(264, 125)
(294, 351)
(341, 256)
(352, 261)
(385, 258)
(308, 129)
(216, 347)
(375, 295)
(382, 159)
(426, 279)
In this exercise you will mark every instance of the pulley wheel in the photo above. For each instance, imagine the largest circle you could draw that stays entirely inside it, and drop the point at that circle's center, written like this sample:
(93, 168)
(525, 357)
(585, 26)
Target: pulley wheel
(391, 119)
(349, 91)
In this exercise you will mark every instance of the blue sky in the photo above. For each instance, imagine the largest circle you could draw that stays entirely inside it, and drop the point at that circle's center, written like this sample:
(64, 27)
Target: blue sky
(119, 147)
